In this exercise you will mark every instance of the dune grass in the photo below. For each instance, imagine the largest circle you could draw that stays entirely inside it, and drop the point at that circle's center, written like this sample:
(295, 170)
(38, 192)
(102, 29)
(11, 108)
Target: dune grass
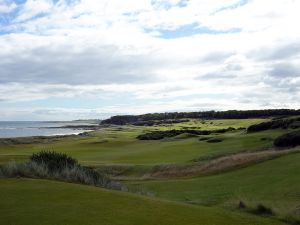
(42, 202)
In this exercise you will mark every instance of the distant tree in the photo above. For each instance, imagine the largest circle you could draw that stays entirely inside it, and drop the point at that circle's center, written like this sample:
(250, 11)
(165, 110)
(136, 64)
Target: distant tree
(230, 114)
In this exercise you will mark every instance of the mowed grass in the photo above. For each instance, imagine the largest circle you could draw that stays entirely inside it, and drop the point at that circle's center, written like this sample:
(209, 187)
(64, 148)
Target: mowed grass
(118, 145)
(44, 202)
(274, 183)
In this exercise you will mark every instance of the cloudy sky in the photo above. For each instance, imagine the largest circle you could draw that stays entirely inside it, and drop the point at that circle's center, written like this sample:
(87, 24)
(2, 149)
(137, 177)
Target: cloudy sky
(69, 59)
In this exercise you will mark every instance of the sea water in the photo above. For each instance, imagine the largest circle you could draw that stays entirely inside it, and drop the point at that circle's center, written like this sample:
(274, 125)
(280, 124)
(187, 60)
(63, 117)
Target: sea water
(9, 129)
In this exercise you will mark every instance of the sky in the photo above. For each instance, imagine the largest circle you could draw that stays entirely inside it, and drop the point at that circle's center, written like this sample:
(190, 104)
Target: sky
(80, 59)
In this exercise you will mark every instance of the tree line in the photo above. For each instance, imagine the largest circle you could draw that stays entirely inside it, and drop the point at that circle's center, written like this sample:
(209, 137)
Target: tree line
(230, 114)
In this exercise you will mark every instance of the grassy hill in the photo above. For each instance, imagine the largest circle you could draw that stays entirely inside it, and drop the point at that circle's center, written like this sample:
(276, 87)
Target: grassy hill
(42, 202)
(274, 183)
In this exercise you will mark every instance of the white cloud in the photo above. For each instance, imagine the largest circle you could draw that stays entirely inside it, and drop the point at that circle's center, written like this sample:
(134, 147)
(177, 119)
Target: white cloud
(114, 47)
(6, 7)
(32, 8)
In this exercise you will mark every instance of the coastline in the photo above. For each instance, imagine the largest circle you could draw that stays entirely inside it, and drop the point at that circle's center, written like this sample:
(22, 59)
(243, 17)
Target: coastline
(36, 129)
(40, 139)
(75, 127)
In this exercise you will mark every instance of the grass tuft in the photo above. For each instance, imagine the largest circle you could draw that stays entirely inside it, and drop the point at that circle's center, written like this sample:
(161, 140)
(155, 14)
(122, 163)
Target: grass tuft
(242, 205)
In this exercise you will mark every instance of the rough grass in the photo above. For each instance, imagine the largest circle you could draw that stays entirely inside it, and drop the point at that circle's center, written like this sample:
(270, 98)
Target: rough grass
(274, 183)
(213, 166)
(52, 165)
(42, 202)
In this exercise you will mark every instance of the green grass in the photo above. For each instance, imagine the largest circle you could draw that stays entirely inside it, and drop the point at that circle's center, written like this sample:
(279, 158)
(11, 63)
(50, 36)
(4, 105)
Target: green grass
(119, 145)
(215, 124)
(276, 183)
(42, 202)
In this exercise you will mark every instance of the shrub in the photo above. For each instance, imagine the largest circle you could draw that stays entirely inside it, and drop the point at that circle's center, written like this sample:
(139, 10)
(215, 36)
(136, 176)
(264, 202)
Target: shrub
(158, 122)
(158, 135)
(291, 139)
(241, 205)
(259, 209)
(263, 210)
(54, 161)
(266, 139)
(214, 140)
(204, 138)
(274, 124)
(58, 166)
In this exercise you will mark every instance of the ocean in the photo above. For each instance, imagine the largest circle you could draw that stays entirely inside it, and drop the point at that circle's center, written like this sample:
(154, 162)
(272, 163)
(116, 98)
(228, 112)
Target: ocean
(10, 129)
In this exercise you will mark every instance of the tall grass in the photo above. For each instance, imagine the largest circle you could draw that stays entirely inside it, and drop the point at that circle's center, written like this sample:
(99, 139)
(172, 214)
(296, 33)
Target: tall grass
(58, 166)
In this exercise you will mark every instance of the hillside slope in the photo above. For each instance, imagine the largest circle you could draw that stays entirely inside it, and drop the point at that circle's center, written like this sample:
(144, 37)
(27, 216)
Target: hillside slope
(42, 202)
(275, 183)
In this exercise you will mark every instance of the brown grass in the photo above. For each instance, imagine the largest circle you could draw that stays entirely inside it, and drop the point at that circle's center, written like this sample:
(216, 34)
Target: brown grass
(218, 165)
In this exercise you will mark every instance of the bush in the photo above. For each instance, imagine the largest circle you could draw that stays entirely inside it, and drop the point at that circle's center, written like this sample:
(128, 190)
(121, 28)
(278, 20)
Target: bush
(157, 122)
(158, 135)
(266, 139)
(291, 139)
(241, 205)
(58, 166)
(54, 161)
(259, 209)
(216, 140)
(263, 210)
(204, 138)
(274, 124)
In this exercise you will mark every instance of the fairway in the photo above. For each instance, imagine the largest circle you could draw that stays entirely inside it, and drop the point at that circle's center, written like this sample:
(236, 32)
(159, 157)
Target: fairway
(42, 202)
(275, 183)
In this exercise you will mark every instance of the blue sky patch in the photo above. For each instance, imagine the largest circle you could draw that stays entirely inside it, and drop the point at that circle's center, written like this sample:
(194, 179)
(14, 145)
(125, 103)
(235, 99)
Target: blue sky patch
(233, 6)
(19, 2)
(190, 30)
(182, 3)
(166, 5)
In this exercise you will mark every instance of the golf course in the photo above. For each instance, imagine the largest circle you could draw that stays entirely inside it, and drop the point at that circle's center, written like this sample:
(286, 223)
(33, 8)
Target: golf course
(185, 172)
(149, 112)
